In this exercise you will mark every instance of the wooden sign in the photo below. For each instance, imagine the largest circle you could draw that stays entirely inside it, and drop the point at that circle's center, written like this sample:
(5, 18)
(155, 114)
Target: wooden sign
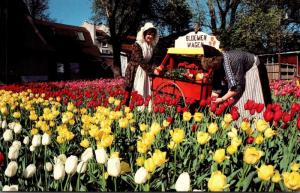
(194, 40)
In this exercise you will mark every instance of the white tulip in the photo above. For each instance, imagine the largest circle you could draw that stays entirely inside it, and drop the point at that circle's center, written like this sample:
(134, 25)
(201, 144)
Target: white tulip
(36, 140)
(4, 124)
(71, 165)
(16, 144)
(140, 176)
(101, 156)
(26, 140)
(17, 128)
(114, 167)
(11, 169)
(8, 135)
(13, 188)
(196, 190)
(87, 154)
(29, 171)
(11, 125)
(32, 148)
(183, 182)
(60, 159)
(46, 139)
(48, 167)
(81, 168)
(13, 153)
(59, 171)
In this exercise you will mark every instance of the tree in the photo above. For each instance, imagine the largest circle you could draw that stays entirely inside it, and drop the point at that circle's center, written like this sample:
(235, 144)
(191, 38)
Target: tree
(38, 9)
(124, 17)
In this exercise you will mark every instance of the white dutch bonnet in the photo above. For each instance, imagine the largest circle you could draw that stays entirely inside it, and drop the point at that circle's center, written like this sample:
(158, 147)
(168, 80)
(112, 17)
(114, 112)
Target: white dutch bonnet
(140, 34)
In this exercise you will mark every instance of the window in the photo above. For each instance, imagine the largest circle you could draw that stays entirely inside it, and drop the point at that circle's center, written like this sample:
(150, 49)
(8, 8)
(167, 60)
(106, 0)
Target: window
(80, 36)
(104, 45)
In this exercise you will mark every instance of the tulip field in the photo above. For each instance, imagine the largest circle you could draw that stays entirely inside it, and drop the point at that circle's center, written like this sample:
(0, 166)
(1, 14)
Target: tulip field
(80, 136)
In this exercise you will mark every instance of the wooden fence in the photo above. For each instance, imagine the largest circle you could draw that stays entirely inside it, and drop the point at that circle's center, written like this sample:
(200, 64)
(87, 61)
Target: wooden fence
(280, 71)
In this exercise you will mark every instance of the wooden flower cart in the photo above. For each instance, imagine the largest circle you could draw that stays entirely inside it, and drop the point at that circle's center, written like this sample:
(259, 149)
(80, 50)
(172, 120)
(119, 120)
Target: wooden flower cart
(193, 84)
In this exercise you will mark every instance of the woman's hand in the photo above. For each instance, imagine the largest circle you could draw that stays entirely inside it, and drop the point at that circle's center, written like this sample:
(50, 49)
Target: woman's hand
(219, 100)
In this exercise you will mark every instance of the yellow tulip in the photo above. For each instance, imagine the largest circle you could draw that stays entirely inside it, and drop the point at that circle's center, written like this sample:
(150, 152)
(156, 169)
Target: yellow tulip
(219, 155)
(85, 143)
(231, 149)
(291, 180)
(245, 125)
(269, 132)
(261, 125)
(203, 137)
(217, 182)
(252, 155)
(295, 166)
(111, 100)
(265, 172)
(159, 157)
(198, 117)
(149, 165)
(143, 127)
(212, 128)
(177, 135)
(140, 161)
(276, 178)
(259, 139)
(187, 116)
(142, 147)
(228, 118)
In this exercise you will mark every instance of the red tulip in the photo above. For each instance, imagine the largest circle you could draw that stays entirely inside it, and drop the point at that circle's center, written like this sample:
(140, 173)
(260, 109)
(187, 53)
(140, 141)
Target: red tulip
(298, 122)
(286, 117)
(161, 109)
(259, 107)
(250, 140)
(2, 157)
(170, 119)
(268, 115)
(277, 115)
(194, 127)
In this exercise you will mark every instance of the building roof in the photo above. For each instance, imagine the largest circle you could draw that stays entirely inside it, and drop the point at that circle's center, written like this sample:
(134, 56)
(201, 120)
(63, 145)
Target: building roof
(281, 53)
(69, 41)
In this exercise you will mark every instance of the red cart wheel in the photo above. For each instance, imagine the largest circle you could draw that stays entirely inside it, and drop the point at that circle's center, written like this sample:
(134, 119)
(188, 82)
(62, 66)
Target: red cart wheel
(170, 88)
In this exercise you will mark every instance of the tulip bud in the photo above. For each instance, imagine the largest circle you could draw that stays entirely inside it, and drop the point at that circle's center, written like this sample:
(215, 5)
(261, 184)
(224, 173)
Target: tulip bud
(11, 125)
(114, 167)
(29, 171)
(13, 153)
(12, 188)
(4, 124)
(140, 176)
(32, 148)
(26, 140)
(17, 128)
(59, 171)
(8, 135)
(16, 144)
(36, 140)
(183, 182)
(71, 165)
(60, 159)
(81, 168)
(11, 169)
(48, 167)
(46, 139)
(101, 156)
(87, 154)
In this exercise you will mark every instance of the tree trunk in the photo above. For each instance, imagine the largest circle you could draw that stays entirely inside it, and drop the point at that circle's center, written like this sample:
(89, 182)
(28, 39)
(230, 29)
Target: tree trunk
(116, 67)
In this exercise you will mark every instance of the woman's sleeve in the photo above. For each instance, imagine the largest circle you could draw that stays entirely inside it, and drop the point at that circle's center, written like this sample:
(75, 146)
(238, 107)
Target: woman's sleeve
(137, 58)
